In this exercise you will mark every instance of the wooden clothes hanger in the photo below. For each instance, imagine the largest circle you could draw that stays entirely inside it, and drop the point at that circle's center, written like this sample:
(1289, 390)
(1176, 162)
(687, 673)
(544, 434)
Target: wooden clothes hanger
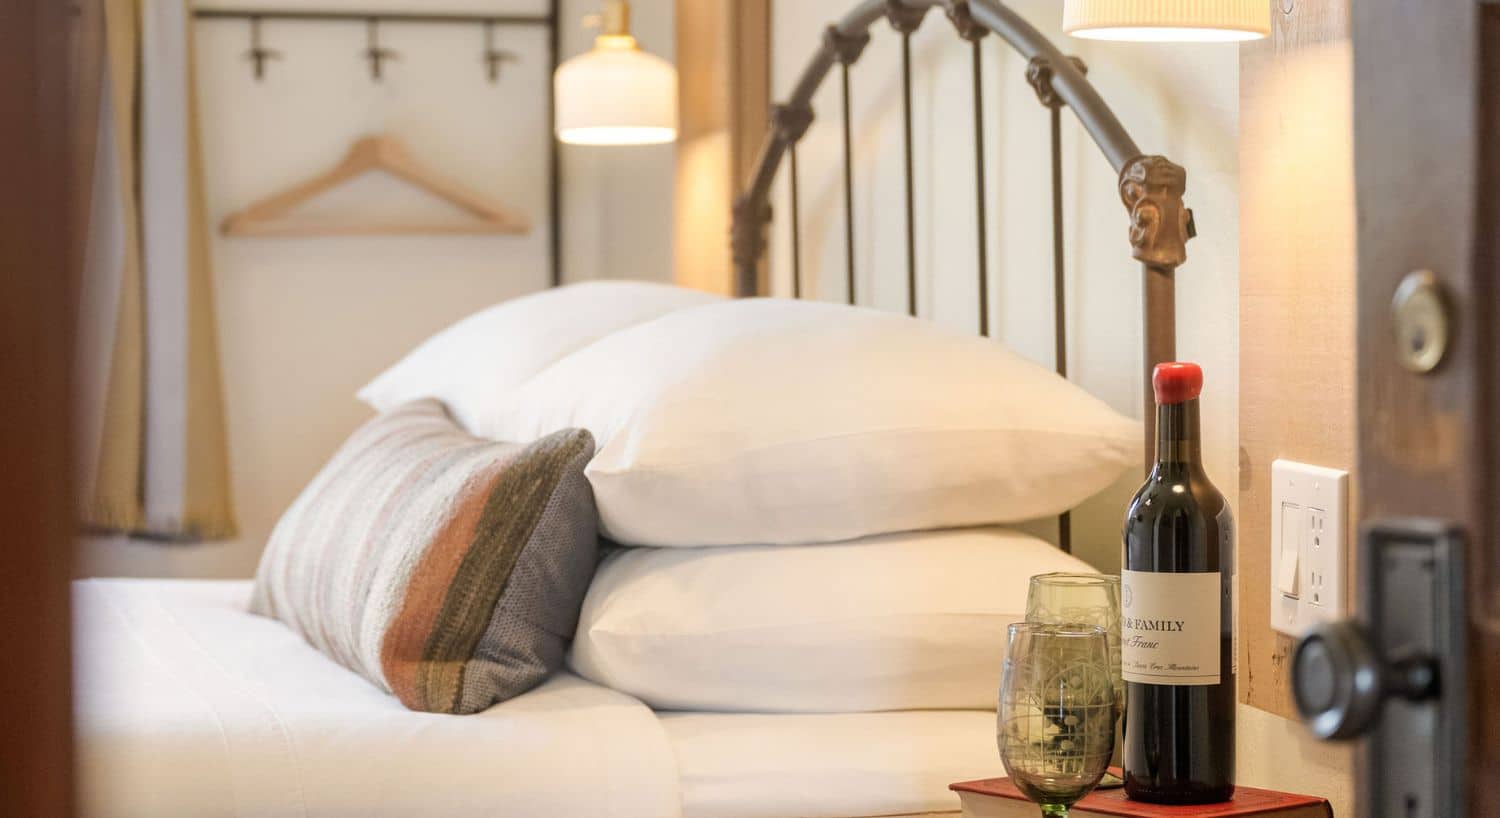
(271, 216)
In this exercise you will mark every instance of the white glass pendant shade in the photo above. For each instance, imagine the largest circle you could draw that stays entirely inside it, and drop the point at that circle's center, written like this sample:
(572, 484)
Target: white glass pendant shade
(616, 94)
(1214, 21)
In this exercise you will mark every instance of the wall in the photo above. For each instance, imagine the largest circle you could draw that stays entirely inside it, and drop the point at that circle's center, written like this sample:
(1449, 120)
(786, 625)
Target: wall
(304, 322)
(1297, 398)
(1297, 330)
(723, 75)
(1177, 100)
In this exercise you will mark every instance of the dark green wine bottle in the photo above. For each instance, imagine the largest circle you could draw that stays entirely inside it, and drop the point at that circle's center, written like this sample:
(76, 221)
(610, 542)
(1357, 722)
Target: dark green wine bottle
(1177, 614)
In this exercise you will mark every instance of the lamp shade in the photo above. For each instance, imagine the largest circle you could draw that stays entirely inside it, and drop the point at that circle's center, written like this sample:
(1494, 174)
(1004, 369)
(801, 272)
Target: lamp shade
(616, 94)
(1167, 20)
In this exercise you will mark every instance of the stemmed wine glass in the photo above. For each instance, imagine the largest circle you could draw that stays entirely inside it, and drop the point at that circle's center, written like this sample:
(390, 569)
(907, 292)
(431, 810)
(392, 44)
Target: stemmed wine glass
(1063, 598)
(1057, 712)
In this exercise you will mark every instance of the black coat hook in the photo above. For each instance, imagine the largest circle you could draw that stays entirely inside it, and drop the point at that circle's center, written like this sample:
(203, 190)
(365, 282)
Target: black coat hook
(258, 54)
(494, 58)
(373, 52)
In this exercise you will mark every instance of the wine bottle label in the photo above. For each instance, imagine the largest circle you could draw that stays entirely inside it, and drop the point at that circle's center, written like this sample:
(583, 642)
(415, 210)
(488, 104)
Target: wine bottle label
(1169, 627)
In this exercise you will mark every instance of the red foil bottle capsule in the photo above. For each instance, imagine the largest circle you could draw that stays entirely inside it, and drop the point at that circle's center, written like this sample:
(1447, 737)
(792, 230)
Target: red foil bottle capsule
(1176, 382)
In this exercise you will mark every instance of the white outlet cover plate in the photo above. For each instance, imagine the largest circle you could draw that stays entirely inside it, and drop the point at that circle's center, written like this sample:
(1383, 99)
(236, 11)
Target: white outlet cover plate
(1309, 541)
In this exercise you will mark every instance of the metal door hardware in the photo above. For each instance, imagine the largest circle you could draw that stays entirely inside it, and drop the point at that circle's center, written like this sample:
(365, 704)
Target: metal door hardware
(1422, 325)
(1397, 676)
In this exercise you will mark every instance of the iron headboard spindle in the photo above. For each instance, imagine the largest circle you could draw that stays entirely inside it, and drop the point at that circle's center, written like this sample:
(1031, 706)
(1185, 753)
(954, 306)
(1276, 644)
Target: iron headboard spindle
(1151, 187)
(973, 32)
(1039, 76)
(846, 49)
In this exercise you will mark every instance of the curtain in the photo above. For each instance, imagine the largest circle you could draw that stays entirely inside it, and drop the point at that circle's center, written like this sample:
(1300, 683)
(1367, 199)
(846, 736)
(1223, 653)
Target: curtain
(153, 454)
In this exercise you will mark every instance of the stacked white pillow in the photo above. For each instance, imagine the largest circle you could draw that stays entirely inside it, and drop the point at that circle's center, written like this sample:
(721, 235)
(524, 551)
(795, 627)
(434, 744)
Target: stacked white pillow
(790, 429)
(893, 622)
(770, 421)
(473, 364)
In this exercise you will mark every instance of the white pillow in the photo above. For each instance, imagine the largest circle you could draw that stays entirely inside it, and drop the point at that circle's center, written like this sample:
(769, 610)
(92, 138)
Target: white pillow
(779, 422)
(469, 365)
(895, 622)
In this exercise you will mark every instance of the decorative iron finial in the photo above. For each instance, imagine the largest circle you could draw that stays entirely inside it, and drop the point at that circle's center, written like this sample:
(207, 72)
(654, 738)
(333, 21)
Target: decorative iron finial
(1160, 225)
(791, 123)
(846, 48)
(963, 20)
(904, 18)
(1039, 74)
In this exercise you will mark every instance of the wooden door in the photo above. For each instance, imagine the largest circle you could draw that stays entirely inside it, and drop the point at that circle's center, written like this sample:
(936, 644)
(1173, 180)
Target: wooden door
(1427, 174)
(49, 52)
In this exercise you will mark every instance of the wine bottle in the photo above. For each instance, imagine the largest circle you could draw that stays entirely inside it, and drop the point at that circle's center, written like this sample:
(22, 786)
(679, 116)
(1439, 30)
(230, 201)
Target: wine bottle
(1177, 614)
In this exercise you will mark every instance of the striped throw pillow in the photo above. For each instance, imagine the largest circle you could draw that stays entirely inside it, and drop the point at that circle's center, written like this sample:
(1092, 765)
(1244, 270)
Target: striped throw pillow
(444, 568)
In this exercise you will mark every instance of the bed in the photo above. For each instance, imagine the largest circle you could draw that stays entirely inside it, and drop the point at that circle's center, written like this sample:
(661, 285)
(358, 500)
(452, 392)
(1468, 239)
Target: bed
(189, 705)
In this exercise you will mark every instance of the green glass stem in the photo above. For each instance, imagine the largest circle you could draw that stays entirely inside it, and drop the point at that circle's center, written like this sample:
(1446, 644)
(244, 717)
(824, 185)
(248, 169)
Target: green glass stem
(1055, 810)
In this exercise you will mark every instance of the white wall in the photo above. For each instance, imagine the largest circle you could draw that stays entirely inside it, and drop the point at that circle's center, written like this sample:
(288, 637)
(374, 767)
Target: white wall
(304, 322)
(1176, 100)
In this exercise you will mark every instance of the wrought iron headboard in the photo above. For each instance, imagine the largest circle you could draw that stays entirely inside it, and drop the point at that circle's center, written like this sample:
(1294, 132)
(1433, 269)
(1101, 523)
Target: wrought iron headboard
(1151, 187)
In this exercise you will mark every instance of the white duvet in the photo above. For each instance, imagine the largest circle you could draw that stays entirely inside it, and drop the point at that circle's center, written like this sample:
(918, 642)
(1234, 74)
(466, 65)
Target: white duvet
(187, 706)
(190, 707)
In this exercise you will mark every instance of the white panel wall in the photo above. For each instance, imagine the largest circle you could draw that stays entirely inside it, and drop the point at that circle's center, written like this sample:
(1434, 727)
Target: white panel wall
(1177, 100)
(304, 322)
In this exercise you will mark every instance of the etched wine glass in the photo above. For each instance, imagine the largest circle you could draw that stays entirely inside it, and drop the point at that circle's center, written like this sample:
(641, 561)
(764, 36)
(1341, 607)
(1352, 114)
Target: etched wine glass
(1063, 598)
(1056, 726)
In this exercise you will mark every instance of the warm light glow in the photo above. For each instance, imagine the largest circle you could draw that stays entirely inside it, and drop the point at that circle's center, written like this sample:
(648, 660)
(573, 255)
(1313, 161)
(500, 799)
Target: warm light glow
(616, 135)
(616, 94)
(1167, 34)
(1181, 21)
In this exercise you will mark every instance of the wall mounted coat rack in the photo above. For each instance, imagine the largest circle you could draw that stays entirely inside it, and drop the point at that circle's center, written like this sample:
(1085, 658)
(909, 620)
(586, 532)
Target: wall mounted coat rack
(491, 57)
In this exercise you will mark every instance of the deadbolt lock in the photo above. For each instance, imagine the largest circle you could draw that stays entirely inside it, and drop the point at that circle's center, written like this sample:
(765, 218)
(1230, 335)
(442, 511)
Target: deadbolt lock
(1422, 324)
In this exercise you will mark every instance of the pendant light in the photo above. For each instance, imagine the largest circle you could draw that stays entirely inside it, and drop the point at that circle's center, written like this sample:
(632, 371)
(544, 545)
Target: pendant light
(1211, 21)
(616, 94)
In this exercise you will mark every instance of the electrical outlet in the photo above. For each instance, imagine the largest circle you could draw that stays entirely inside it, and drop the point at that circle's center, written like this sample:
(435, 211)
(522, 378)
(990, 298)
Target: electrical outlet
(1309, 528)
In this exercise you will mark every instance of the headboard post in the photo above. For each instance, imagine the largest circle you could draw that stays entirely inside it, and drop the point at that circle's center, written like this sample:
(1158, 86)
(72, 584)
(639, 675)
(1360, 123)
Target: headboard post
(1160, 225)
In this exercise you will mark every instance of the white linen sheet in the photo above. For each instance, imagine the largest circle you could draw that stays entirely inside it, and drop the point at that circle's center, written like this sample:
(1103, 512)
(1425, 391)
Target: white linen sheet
(839, 765)
(187, 705)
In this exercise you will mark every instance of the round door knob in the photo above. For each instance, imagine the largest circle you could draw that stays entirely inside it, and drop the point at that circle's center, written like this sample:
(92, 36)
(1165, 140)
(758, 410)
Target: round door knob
(1340, 679)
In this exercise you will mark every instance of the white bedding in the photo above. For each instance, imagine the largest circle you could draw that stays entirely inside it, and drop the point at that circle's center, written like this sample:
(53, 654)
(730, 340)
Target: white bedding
(745, 765)
(189, 706)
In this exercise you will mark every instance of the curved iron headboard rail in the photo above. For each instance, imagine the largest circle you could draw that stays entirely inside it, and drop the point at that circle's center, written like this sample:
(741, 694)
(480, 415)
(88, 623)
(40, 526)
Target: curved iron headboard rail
(1067, 84)
(1151, 187)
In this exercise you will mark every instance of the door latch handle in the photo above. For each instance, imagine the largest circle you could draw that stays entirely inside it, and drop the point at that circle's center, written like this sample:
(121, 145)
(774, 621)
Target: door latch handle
(1340, 680)
(1397, 677)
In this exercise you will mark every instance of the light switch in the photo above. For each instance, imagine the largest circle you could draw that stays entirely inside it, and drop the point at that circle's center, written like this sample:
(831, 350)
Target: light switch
(1309, 510)
(1289, 571)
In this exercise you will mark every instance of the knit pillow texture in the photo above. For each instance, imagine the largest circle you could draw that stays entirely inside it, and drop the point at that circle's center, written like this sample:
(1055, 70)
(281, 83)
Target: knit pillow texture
(447, 569)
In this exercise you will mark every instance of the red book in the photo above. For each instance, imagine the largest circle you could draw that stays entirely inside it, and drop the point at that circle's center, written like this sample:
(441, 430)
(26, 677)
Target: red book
(998, 798)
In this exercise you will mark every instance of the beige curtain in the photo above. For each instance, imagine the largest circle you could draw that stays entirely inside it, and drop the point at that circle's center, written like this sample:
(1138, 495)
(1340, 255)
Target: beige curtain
(153, 452)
